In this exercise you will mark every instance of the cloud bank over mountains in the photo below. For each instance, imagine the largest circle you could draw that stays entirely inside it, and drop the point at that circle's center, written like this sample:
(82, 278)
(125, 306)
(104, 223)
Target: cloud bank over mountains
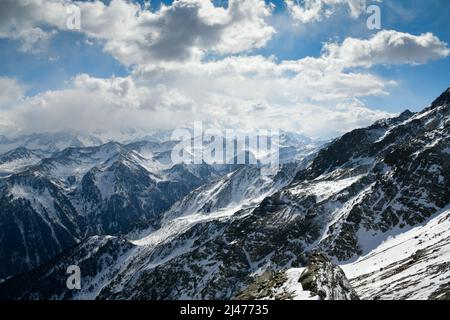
(192, 60)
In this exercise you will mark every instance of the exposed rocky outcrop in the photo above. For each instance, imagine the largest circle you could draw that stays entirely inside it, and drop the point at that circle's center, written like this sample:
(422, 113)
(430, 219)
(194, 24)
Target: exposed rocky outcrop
(326, 280)
(321, 279)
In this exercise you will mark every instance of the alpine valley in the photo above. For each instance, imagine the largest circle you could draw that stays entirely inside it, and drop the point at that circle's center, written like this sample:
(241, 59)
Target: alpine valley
(365, 216)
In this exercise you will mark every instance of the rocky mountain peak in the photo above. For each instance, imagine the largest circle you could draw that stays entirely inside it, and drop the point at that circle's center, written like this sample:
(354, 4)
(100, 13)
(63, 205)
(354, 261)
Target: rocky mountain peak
(443, 99)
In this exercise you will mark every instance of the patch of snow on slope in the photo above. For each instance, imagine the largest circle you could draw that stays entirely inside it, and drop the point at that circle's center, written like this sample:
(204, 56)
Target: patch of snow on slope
(17, 165)
(324, 189)
(39, 200)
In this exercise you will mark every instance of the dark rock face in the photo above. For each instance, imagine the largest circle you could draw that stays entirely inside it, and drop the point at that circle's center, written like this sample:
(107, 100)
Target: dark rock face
(326, 280)
(443, 293)
(30, 237)
(94, 256)
(266, 286)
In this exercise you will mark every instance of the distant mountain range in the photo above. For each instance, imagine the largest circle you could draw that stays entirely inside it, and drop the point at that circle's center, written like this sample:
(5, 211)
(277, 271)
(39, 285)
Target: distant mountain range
(51, 199)
(364, 216)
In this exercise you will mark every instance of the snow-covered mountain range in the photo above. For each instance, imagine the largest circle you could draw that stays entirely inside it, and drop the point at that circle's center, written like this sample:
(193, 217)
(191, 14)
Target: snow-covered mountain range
(365, 216)
(51, 199)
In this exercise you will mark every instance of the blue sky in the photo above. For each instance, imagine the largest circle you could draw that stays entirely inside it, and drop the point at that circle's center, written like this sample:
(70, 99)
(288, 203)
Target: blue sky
(68, 54)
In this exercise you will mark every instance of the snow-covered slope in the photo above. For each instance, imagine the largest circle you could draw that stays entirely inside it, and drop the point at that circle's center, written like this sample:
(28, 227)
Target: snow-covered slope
(19, 159)
(413, 264)
(245, 184)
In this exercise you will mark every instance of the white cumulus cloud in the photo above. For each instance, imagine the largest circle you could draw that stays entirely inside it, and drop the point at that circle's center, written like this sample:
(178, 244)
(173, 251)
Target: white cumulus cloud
(389, 47)
(183, 30)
